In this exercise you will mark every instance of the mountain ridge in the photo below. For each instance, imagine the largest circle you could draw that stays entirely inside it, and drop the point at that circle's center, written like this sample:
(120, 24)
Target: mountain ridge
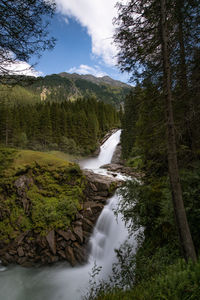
(69, 87)
(97, 80)
(66, 86)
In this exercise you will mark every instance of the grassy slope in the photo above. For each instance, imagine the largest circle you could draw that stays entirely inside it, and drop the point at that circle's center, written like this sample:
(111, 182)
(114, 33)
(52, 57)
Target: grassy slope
(54, 193)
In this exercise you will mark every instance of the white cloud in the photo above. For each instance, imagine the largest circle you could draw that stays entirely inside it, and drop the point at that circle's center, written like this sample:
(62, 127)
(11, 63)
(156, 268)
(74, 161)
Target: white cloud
(10, 66)
(20, 68)
(96, 16)
(84, 69)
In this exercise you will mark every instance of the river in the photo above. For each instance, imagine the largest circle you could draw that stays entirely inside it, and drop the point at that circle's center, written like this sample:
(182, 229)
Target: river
(61, 281)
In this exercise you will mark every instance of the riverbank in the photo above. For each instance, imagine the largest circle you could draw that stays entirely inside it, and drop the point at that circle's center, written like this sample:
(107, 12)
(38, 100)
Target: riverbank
(48, 208)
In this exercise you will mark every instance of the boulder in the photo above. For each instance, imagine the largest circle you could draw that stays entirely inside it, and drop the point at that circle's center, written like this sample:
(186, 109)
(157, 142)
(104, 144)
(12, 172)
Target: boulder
(20, 251)
(67, 235)
(79, 233)
(100, 184)
(128, 171)
(51, 241)
(70, 255)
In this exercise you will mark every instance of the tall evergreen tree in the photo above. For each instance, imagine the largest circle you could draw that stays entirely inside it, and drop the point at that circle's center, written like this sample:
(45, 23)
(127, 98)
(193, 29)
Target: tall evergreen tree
(147, 37)
(181, 218)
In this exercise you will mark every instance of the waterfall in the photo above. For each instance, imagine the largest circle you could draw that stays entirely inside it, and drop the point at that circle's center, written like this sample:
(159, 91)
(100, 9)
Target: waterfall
(60, 281)
(105, 154)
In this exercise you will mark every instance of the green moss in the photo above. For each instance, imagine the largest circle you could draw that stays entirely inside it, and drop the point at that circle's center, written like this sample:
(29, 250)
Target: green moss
(112, 187)
(54, 196)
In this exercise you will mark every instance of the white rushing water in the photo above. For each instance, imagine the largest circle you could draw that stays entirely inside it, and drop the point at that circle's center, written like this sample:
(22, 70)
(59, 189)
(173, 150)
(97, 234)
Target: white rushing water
(60, 281)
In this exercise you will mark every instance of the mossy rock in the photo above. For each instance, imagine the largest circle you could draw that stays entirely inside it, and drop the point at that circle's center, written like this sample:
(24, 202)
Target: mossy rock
(48, 195)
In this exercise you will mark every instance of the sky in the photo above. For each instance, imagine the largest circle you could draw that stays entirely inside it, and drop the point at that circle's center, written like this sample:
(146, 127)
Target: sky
(83, 30)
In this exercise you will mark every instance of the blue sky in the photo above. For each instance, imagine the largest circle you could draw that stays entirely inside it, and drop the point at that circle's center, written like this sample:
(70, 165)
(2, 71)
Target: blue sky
(83, 29)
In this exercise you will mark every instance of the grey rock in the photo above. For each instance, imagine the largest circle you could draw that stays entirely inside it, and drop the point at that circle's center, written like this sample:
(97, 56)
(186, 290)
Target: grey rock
(79, 233)
(70, 255)
(51, 241)
(20, 251)
(67, 235)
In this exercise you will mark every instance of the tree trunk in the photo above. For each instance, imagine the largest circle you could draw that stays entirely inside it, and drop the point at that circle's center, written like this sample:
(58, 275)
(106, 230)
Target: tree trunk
(183, 68)
(181, 219)
(184, 92)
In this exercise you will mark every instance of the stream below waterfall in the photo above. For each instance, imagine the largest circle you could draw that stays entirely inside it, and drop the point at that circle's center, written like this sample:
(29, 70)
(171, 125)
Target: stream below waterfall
(61, 281)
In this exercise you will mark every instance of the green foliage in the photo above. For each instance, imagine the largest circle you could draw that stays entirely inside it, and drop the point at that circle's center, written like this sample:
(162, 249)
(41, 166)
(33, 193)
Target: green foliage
(135, 162)
(143, 134)
(17, 95)
(6, 158)
(190, 180)
(69, 146)
(178, 281)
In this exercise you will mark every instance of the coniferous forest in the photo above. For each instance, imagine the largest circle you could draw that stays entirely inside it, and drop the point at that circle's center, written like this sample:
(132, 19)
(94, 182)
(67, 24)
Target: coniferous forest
(72, 127)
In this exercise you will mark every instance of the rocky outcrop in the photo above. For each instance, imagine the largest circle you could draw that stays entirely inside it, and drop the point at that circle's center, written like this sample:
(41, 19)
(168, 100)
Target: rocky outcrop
(116, 159)
(70, 243)
(100, 187)
(118, 168)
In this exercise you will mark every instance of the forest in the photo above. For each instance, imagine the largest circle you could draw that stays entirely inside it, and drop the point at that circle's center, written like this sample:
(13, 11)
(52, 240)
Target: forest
(158, 45)
(72, 127)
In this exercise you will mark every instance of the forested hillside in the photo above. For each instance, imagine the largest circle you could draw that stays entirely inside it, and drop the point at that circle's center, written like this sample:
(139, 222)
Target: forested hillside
(72, 127)
(64, 86)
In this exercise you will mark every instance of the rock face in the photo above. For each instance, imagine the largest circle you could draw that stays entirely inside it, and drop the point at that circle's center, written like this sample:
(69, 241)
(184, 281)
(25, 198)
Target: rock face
(123, 170)
(22, 184)
(69, 244)
(116, 159)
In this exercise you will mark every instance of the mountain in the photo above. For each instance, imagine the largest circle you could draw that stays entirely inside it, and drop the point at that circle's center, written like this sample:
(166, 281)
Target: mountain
(97, 80)
(65, 86)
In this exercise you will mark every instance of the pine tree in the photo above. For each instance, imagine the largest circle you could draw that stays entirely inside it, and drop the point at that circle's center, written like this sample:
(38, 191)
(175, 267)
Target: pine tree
(181, 218)
(147, 37)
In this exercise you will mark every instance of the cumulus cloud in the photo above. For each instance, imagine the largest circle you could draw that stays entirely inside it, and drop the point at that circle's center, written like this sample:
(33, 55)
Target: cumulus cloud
(96, 16)
(84, 69)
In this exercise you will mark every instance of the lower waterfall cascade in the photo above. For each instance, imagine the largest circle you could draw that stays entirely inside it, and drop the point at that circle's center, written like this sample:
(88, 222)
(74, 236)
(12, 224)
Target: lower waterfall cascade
(61, 281)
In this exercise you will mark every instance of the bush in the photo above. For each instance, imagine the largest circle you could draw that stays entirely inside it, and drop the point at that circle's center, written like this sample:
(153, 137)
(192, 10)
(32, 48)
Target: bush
(69, 146)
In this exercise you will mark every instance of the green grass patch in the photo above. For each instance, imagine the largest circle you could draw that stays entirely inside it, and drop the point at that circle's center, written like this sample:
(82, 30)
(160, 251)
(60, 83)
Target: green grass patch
(65, 156)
